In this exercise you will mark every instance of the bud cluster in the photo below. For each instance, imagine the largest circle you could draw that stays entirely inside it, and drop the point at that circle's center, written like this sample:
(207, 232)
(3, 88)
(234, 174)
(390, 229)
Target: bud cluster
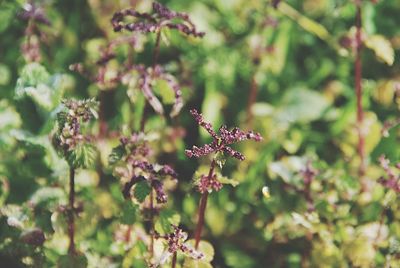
(392, 181)
(220, 142)
(69, 133)
(154, 22)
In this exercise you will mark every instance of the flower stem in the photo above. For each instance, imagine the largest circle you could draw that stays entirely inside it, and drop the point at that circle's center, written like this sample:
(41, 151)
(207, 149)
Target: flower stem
(202, 209)
(359, 92)
(156, 52)
(151, 224)
(173, 265)
(71, 211)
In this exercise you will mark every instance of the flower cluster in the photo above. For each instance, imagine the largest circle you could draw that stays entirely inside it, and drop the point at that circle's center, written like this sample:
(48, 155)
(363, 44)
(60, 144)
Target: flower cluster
(35, 16)
(151, 23)
(32, 12)
(69, 122)
(209, 183)
(134, 152)
(392, 181)
(176, 242)
(308, 174)
(220, 142)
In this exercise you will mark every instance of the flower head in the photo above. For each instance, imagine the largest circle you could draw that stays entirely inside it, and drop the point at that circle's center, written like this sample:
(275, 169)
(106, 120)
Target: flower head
(134, 152)
(221, 140)
(160, 17)
(392, 181)
(176, 242)
(69, 122)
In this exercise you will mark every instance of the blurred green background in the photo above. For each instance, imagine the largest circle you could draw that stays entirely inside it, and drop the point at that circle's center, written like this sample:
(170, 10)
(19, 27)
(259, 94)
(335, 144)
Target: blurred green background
(286, 72)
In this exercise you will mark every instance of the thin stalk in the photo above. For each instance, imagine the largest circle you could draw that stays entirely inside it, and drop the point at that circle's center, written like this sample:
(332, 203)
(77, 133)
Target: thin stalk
(156, 52)
(71, 211)
(151, 224)
(359, 92)
(202, 209)
(102, 120)
(173, 265)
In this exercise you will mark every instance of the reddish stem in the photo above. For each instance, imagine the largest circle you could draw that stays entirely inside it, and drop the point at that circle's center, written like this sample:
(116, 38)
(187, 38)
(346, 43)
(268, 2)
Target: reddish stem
(202, 209)
(173, 265)
(102, 121)
(156, 52)
(151, 224)
(71, 211)
(358, 87)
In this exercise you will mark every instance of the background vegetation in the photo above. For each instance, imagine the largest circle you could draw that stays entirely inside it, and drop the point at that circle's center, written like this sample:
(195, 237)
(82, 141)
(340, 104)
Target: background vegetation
(286, 69)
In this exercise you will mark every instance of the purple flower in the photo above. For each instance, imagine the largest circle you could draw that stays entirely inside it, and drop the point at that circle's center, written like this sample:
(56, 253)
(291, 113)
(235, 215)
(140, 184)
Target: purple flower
(392, 181)
(207, 184)
(154, 22)
(176, 241)
(134, 151)
(32, 12)
(69, 122)
(220, 142)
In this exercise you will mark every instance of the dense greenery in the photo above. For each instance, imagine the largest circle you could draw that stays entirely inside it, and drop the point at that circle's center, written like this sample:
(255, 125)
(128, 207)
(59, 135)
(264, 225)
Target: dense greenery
(111, 156)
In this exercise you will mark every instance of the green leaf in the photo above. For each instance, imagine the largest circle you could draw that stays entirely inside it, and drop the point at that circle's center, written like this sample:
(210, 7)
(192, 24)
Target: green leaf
(382, 47)
(5, 74)
(204, 247)
(82, 156)
(9, 118)
(77, 260)
(301, 105)
(165, 220)
(116, 154)
(141, 191)
(226, 180)
(4, 190)
(129, 211)
(7, 13)
(37, 84)
(163, 89)
(47, 195)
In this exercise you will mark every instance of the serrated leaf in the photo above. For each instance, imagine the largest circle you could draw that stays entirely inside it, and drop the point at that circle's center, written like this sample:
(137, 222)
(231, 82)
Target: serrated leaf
(116, 154)
(82, 156)
(382, 47)
(141, 191)
(128, 212)
(37, 84)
